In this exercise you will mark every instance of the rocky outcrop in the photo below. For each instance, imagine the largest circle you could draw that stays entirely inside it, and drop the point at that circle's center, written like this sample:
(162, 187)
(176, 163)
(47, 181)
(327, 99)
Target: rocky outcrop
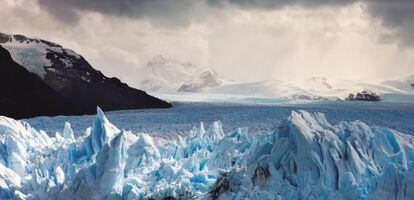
(365, 95)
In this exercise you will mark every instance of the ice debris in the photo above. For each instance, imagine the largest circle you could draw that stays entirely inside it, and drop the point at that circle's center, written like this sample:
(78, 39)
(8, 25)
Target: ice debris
(304, 158)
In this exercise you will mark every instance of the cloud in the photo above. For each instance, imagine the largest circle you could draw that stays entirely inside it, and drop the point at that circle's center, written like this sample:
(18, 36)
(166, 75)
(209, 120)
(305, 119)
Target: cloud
(272, 4)
(178, 12)
(240, 41)
(158, 11)
(398, 16)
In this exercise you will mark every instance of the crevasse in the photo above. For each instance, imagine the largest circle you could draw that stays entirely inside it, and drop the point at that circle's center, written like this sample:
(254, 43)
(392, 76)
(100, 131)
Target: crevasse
(305, 157)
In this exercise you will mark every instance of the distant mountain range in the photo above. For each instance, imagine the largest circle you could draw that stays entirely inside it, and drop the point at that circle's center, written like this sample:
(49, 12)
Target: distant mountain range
(43, 78)
(317, 88)
(165, 75)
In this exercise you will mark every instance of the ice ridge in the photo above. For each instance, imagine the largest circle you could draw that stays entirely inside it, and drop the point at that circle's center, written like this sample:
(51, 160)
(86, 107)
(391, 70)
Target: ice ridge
(305, 157)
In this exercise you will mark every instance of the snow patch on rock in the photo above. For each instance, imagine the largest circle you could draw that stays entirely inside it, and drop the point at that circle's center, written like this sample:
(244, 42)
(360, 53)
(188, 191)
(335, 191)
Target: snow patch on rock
(31, 53)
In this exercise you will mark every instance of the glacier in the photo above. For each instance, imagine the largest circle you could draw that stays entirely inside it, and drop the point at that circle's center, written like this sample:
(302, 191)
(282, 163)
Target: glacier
(304, 157)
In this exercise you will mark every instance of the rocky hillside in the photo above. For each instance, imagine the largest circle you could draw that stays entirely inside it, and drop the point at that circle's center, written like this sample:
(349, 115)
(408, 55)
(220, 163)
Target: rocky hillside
(64, 77)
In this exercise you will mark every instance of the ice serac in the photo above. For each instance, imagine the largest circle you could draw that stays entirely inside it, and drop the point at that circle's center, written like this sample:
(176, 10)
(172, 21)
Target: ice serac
(311, 159)
(306, 157)
(102, 132)
(68, 132)
(110, 164)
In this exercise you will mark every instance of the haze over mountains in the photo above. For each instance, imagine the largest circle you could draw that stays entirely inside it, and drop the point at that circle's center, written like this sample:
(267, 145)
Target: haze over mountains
(43, 78)
(162, 74)
(167, 75)
(77, 88)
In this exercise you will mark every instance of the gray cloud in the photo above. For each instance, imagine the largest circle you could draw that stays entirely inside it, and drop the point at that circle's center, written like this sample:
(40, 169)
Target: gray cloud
(240, 39)
(272, 4)
(398, 15)
(172, 11)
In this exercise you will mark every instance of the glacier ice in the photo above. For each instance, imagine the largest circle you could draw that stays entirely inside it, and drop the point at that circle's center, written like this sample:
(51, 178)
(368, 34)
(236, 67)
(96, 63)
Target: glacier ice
(305, 157)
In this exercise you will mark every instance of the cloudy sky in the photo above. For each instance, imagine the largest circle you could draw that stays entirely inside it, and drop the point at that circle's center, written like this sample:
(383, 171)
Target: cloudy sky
(241, 39)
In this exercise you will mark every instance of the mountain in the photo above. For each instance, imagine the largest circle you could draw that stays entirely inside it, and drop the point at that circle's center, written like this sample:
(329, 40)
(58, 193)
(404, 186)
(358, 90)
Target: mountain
(165, 75)
(404, 85)
(70, 84)
(318, 88)
(208, 78)
(24, 94)
(169, 76)
(305, 157)
(311, 89)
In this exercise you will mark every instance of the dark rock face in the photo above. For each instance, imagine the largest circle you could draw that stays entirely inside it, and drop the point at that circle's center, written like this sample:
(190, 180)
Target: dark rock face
(75, 79)
(24, 94)
(5, 38)
(71, 86)
(365, 95)
(412, 85)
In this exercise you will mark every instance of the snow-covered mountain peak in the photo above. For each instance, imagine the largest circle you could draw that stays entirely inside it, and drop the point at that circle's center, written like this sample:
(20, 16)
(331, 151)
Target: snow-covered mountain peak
(37, 55)
(208, 72)
(207, 78)
(162, 74)
(16, 38)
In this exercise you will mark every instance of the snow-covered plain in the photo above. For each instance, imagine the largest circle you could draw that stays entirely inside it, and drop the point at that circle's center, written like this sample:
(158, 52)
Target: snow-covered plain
(303, 157)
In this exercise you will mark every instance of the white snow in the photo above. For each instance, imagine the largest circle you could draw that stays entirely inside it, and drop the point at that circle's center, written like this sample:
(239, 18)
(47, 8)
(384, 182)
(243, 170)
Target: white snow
(318, 88)
(32, 58)
(207, 78)
(31, 54)
(305, 157)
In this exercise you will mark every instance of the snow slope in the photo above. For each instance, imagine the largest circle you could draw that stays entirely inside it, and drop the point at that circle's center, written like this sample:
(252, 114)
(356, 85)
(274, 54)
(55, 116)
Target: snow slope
(319, 88)
(272, 89)
(305, 157)
(404, 85)
(31, 52)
